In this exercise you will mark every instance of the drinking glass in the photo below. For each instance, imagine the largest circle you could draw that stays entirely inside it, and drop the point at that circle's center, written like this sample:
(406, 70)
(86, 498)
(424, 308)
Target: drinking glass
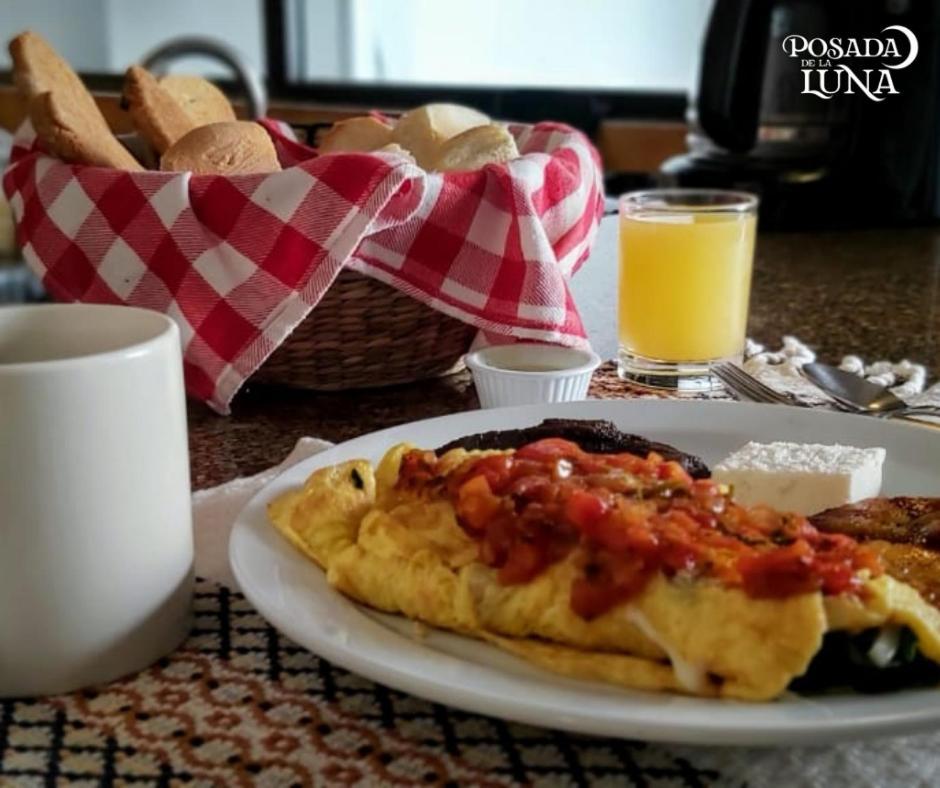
(686, 257)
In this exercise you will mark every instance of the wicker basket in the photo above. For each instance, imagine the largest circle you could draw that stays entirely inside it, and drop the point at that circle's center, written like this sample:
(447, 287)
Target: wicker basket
(364, 333)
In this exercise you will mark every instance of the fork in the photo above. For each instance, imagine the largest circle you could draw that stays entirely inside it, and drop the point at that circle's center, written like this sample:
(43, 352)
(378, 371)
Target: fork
(744, 385)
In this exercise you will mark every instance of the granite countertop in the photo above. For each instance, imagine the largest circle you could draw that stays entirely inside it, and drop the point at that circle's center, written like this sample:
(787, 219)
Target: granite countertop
(875, 293)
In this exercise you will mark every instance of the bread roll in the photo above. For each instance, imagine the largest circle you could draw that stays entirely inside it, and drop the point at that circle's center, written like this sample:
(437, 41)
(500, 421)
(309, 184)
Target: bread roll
(356, 134)
(396, 149)
(477, 147)
(423, 130)
(231, 148)
(7, 229)
(199, 98)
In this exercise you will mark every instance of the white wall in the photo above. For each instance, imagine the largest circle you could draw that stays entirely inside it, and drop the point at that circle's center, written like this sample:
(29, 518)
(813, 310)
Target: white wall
(109, 35)
(135, 27)
(76, 29)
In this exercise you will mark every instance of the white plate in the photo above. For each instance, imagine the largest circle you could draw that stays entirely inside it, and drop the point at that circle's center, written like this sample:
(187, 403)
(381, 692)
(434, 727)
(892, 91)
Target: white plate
(293, 595)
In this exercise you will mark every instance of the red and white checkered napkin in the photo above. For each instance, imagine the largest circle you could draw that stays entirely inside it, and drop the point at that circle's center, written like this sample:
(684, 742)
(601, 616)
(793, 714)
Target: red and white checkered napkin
(239, 261)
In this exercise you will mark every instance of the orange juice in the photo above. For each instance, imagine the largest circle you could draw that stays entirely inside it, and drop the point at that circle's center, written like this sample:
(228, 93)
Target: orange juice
(685, 280)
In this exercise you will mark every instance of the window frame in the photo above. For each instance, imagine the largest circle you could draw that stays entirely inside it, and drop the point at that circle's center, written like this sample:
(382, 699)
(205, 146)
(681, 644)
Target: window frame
(585, 109)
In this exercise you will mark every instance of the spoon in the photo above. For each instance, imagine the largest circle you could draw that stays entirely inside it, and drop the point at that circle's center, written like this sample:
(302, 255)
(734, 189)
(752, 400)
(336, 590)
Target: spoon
(862, 395)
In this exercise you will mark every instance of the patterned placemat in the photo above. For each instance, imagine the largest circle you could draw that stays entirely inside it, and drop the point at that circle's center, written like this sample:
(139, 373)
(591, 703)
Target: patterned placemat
(607, 384)
(239, 704)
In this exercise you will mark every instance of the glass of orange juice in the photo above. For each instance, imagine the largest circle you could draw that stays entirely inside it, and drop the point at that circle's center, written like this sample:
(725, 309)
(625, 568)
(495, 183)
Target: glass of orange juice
(685, 280)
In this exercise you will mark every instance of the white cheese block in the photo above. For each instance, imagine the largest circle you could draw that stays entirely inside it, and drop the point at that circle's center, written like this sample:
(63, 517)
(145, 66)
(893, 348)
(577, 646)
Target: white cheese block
(801, 477)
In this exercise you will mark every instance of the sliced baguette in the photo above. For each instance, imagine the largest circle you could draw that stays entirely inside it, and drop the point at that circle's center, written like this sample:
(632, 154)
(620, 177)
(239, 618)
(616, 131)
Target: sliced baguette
(199, 98)
(158, 117)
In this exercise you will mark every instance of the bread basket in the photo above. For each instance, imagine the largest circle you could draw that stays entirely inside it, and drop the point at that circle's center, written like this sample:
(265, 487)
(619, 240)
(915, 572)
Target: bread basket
(364, 333)
(339, 271)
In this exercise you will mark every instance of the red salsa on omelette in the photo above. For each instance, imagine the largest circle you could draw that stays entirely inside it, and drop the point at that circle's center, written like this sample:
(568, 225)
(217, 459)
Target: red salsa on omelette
(631, 517)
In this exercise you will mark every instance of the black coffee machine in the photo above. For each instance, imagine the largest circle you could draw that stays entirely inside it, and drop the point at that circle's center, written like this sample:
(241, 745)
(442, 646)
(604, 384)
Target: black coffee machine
(853, 143)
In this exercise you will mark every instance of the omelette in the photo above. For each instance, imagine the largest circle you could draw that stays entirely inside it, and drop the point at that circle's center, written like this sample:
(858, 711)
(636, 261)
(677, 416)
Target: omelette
(616, 568)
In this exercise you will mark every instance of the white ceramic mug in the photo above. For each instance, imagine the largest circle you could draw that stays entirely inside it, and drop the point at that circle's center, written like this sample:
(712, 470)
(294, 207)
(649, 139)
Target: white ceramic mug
(96, 546)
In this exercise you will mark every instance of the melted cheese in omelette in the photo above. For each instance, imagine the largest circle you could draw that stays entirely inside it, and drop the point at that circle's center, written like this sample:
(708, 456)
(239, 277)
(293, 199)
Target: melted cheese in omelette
(399, 553)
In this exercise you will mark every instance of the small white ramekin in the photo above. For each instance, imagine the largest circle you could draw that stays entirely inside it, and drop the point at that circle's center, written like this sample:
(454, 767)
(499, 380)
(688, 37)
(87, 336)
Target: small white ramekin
(504, 374)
